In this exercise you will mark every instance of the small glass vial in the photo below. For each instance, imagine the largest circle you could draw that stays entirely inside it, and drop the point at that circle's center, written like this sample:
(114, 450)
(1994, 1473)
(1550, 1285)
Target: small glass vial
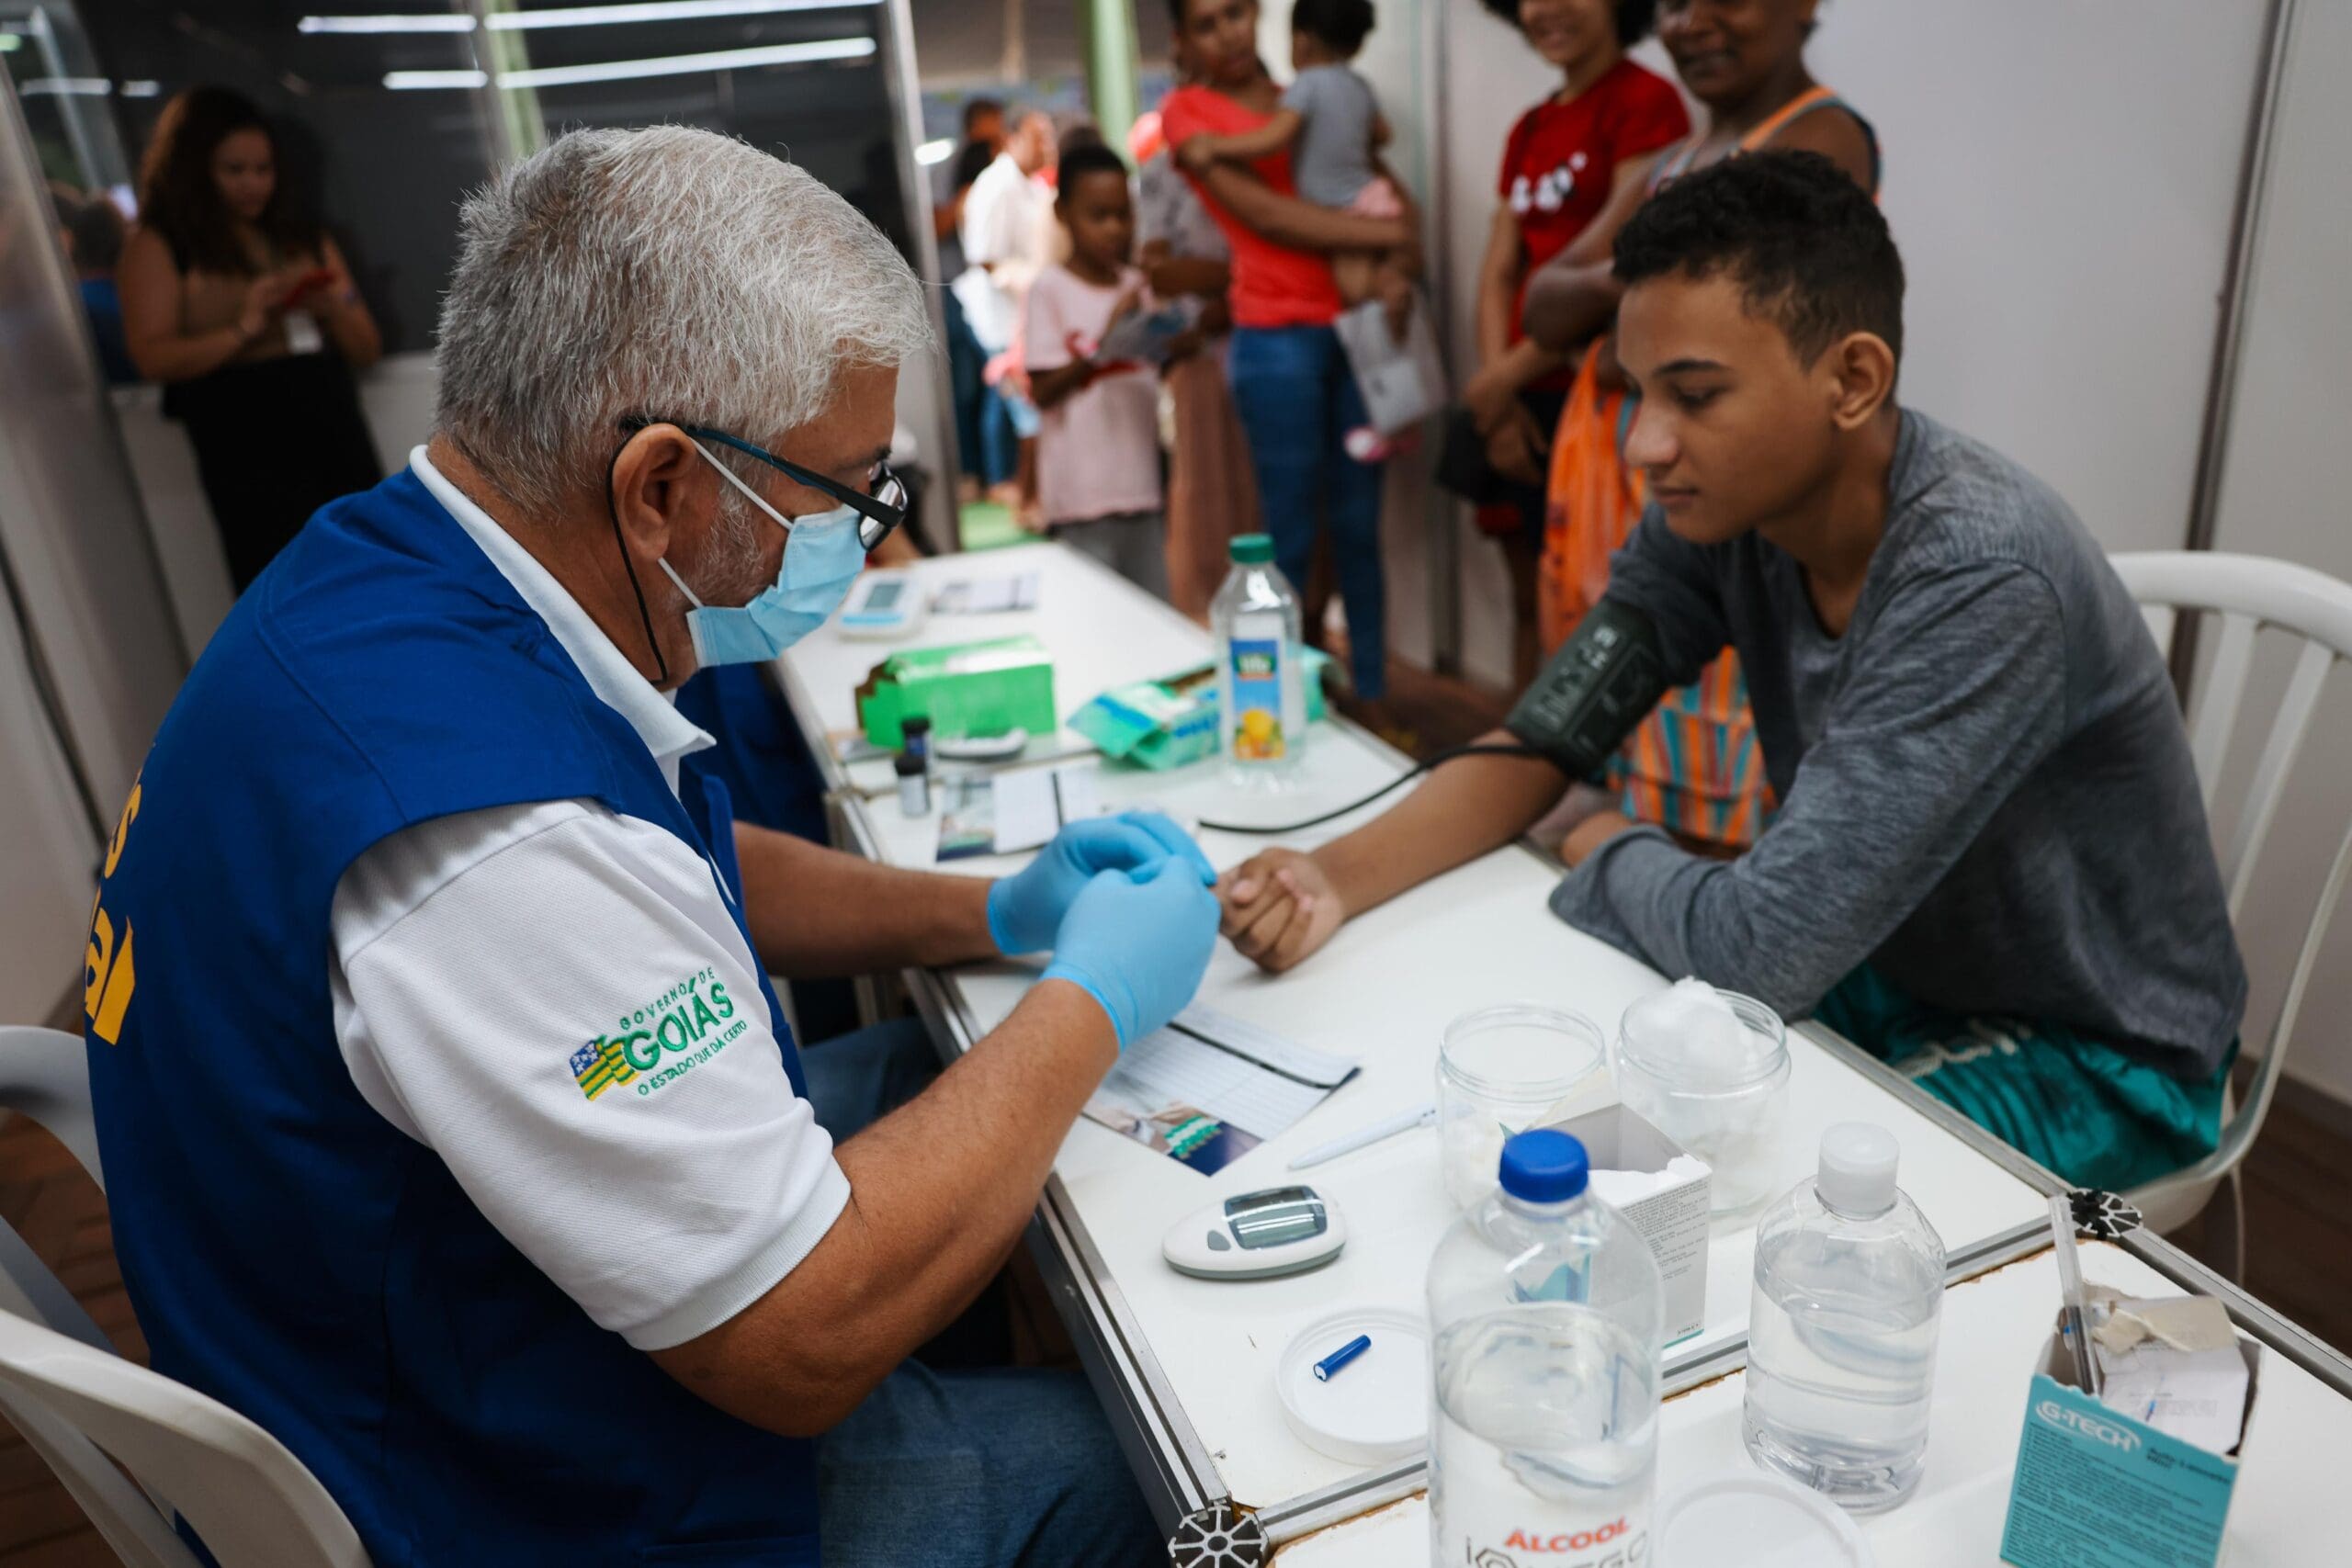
(914, 785)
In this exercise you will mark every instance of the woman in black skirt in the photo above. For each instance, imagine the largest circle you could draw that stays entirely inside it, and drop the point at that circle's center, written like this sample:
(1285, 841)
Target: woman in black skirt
(245, 313)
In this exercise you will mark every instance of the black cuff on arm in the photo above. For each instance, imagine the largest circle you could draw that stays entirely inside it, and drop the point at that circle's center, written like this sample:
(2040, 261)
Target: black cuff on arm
(1602, 683)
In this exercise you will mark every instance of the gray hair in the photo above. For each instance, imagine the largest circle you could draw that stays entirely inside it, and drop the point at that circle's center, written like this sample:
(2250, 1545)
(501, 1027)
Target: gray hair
(669, 273)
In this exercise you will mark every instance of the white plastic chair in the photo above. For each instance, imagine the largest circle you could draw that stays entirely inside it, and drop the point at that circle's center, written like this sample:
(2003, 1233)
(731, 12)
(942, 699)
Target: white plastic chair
(94, 1417)
(2248, 593)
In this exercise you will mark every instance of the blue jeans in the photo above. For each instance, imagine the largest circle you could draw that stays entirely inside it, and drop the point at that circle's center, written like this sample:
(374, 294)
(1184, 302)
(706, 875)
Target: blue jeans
(1297, 400)
(970, 1468)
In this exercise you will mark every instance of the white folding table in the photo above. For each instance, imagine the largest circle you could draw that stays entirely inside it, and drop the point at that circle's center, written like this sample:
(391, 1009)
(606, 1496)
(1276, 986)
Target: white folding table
(1185, 1366)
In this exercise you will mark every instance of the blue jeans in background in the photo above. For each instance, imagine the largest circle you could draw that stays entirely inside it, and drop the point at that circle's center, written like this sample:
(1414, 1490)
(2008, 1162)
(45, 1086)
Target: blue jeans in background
(978, 1467)
(1297, 400)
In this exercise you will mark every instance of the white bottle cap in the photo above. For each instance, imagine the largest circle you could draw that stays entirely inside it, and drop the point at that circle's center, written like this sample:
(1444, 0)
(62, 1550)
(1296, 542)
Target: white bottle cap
(1857, 1174)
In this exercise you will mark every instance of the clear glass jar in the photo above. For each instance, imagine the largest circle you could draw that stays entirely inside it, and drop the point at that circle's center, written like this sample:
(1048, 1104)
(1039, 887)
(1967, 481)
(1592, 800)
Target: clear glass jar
(1502, 1070)
(1726, 1107)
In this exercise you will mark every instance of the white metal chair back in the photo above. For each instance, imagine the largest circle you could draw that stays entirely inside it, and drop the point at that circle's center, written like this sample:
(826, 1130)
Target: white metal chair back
(77, 1402)
(2248, 593)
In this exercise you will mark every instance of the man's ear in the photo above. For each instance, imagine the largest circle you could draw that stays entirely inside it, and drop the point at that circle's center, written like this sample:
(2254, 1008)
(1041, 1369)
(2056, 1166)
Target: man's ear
(662, 492)
(1861, 371)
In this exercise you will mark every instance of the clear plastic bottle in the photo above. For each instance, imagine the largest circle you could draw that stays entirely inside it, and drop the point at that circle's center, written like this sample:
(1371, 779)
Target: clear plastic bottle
(1261, 679)
(1841, 1333)
(1544, 1319)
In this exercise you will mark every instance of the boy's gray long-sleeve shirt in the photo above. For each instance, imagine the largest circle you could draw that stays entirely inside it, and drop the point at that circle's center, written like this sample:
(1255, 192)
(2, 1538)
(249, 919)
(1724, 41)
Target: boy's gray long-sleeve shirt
(1986, 787)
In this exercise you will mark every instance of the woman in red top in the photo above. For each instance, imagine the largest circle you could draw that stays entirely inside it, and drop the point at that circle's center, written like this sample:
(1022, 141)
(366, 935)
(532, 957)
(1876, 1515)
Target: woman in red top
(1290, 383)
(1564, 160)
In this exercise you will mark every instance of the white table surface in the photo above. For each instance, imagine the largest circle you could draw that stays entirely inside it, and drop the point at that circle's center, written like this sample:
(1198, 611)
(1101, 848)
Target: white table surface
(1383, 991)
(2287, 1503)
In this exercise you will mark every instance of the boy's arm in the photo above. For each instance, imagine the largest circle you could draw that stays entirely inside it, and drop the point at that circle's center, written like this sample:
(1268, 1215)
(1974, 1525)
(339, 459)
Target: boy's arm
(1281, 905)
(1960, 695)
(1242, 146)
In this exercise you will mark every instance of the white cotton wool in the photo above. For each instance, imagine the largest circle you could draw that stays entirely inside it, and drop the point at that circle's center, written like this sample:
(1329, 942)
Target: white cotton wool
(1690, 1026)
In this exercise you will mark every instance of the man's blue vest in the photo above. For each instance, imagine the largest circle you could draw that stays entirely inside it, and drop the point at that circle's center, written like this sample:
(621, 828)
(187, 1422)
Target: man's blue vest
(287, 1250)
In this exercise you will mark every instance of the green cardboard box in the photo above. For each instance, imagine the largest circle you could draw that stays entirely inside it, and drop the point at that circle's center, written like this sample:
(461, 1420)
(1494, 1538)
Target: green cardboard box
(969, 689)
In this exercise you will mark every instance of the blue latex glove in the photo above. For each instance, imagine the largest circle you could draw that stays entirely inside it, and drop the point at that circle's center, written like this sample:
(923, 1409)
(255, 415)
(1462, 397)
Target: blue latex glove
(1025, 910)
(1139, 941)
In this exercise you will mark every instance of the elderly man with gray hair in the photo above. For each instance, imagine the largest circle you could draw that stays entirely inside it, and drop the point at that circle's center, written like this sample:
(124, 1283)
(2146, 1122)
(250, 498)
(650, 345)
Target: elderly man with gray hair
(452, 1129)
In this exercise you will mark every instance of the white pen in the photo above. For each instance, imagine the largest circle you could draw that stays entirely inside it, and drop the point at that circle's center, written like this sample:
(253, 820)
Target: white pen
(1389, 1127)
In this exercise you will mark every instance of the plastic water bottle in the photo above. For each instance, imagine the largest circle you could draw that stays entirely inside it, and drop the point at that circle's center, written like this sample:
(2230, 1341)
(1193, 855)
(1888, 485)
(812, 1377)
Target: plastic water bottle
(1544, 1317)
(1260, 681)
(1841, 1335)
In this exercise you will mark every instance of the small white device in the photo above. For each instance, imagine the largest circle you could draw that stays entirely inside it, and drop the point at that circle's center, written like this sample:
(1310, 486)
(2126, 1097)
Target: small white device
(980, 748)
(1282, 1230)
(882, 605)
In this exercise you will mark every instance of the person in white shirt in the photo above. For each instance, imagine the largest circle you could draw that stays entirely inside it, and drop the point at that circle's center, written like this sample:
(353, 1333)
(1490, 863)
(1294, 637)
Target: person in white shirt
(1008, 230)
(667, 367)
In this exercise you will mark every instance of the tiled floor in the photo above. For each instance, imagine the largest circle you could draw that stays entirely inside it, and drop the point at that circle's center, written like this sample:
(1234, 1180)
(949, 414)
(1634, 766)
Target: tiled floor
(2298, 1212)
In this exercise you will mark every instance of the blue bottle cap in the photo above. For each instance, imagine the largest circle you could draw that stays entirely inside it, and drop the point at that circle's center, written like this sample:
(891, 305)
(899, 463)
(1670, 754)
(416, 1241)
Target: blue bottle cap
(1545, 1166)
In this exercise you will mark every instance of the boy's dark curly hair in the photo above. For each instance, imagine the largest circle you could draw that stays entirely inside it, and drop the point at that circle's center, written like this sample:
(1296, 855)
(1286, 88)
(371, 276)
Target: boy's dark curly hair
(1342, 25)
(1634, 17)
(1807, 246)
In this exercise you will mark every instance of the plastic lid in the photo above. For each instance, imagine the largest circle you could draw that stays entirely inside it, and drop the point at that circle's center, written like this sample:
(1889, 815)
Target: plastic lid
(1253, 549)
(914, 726)
(1374, 1409)
(907, 765)
(1856, 1173)
(1545, 1165)
(1750, 1519)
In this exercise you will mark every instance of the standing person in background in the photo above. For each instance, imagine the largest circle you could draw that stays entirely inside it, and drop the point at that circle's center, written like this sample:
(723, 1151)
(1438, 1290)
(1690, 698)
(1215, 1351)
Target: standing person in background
(1694, 766)
(91, 229)
(1098, 455)
(965, 358)
(1211, 494)
(1331, 124)
(1563, 161)
(244, 309)
(1007, 215)
(1291, 382)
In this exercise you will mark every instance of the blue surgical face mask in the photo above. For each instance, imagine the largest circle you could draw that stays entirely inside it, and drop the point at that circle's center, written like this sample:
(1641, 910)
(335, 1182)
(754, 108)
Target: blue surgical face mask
(822, 558)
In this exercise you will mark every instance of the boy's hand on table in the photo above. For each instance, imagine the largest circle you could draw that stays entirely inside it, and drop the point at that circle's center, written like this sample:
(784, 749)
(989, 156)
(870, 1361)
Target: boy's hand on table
(1278, 907)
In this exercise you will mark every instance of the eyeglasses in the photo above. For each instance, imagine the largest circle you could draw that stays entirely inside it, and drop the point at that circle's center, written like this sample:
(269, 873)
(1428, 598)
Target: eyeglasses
(879, 512)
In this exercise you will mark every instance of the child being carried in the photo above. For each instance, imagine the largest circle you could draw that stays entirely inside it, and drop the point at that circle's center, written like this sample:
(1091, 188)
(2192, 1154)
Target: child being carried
(1331, 125)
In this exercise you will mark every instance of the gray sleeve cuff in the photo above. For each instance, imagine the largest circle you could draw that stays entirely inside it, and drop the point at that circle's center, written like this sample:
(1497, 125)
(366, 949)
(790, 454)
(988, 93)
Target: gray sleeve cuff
(1613, 895)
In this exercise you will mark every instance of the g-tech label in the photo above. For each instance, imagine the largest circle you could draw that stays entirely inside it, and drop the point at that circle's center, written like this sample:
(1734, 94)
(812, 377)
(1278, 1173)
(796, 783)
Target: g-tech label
(2082, 1423)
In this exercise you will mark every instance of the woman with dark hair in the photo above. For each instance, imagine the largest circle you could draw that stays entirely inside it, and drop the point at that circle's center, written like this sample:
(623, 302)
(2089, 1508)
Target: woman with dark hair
(245, 310)
(1291, 382)
(1560, 163)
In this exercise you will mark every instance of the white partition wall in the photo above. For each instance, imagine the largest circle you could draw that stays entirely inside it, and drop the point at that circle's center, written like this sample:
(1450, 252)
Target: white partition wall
(2286, 492)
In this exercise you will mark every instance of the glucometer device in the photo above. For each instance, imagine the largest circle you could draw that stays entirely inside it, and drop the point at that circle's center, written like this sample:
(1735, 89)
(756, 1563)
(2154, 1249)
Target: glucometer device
(882, 604)
(1596, 688)
(1282, 1230)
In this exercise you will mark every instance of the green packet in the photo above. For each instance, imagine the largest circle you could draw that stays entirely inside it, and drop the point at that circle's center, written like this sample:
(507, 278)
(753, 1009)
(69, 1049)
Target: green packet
(1171, 721)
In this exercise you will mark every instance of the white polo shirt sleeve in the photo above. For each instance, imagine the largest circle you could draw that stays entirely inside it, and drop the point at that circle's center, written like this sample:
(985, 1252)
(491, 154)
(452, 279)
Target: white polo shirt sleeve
(555, 1000)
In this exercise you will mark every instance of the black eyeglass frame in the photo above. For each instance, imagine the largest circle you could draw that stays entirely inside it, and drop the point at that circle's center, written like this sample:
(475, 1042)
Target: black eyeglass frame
(877, 518)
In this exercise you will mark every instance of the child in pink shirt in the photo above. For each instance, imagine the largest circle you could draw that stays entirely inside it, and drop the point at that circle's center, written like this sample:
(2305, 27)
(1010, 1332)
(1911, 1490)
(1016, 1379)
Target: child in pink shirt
(1097, 453)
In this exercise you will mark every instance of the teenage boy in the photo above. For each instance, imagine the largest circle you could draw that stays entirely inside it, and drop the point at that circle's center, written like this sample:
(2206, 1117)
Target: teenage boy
(1991, 864)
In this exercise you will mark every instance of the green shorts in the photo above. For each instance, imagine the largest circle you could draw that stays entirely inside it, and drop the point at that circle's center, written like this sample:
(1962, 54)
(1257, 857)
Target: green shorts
(2080, 1108)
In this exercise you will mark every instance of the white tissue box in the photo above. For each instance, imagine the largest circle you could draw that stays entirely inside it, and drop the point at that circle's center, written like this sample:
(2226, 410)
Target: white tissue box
(1662, 1189)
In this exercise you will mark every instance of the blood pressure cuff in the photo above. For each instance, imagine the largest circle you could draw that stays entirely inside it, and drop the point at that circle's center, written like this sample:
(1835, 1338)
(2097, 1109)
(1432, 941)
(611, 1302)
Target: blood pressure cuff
(1602, 683)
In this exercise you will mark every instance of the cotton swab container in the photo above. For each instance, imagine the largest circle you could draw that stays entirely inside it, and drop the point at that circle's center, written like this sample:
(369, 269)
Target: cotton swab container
(1709, 1069)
